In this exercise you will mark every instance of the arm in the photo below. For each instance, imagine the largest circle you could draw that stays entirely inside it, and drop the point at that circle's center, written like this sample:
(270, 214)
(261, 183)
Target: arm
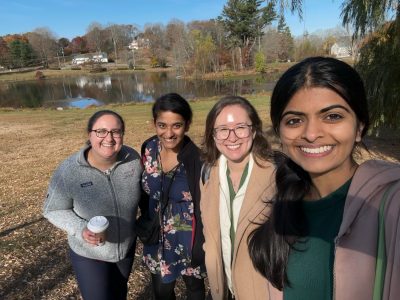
(58, 206)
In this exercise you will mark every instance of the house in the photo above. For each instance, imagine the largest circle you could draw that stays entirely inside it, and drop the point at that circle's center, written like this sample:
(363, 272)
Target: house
(90, 57)
(342, 48)
(80, 59)
(138, 43)
(100, 57)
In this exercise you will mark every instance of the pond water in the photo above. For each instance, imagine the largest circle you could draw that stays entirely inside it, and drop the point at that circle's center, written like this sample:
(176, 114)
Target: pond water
(82, 91)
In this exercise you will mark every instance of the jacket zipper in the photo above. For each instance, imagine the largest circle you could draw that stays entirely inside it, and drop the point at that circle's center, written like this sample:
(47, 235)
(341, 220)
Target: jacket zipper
(117, 212)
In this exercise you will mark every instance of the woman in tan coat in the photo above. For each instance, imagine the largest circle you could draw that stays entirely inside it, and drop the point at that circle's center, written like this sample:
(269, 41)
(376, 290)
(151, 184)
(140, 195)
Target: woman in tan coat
(236, 182)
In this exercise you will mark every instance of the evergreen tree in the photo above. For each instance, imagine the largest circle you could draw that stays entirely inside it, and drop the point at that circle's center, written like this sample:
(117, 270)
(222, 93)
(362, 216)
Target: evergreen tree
(22, 54)
(244, 21)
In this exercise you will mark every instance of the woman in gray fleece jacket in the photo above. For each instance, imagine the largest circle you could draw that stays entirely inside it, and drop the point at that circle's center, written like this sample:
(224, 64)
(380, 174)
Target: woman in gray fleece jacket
(102, 179)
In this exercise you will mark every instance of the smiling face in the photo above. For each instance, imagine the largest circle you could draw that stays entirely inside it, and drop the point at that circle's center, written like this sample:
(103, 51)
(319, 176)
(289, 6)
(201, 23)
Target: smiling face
(107, 148)
(318, 131)
(235, 149)
(170, 129)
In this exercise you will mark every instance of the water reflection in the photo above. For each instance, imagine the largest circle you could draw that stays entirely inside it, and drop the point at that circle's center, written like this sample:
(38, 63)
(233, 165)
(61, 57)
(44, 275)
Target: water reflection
(134, 87)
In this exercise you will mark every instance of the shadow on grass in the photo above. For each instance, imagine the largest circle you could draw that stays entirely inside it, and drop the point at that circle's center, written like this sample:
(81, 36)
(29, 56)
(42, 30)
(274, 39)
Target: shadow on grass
(10, 230)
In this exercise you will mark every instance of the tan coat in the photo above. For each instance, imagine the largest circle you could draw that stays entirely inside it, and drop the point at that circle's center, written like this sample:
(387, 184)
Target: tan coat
(247, 282)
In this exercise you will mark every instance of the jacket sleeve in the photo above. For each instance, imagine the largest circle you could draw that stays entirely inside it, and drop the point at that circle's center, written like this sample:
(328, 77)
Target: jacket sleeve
(392, 225)
(58, 206)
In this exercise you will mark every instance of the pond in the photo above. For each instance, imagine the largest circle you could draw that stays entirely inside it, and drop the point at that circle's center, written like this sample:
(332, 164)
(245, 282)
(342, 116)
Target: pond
(81, 91)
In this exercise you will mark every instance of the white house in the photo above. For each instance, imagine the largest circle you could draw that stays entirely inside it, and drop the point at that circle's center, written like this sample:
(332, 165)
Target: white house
(100, 57)
(90, 57)
(341, 49)
(138, 43)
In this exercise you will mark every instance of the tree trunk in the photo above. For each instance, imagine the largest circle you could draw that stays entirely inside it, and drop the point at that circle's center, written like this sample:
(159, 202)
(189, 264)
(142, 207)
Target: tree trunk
(240, 59)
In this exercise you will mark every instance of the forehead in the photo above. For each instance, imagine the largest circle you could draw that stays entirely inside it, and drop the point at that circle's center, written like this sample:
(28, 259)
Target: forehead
(232, 114)
(169, 117)
(107, 121)
(314, 99)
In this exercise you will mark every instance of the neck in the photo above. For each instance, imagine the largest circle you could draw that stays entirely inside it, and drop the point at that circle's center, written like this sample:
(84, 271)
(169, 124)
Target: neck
(100, 163)
(238, 167)
(325, 184)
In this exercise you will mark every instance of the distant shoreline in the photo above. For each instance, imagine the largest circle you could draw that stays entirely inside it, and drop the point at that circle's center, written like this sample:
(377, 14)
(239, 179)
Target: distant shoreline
(123, 69)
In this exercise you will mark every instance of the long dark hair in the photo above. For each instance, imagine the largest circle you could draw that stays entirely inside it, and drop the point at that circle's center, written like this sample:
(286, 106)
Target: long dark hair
(270, 244)
(260, 147)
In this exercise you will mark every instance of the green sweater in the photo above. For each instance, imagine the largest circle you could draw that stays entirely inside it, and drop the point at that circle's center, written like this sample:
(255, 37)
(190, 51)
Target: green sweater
(310, 266)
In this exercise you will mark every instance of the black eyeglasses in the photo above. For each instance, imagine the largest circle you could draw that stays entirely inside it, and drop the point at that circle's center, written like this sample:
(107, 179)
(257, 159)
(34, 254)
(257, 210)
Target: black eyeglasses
(241, 132)
(102, 133)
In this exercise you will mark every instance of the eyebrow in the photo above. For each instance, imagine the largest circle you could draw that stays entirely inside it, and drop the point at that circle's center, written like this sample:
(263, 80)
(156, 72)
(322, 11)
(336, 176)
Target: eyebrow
(176, 123)
(298, 113)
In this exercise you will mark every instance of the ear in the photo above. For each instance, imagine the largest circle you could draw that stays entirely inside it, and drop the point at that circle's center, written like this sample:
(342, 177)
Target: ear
(187, 126)
(359, 132)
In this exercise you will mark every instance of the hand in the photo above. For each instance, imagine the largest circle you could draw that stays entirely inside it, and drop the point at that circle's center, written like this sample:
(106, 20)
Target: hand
(90, 237)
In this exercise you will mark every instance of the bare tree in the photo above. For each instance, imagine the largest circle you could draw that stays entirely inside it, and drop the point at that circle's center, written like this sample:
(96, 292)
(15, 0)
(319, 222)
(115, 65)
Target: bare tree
(95, 37)
(44, 43)
(155, 34)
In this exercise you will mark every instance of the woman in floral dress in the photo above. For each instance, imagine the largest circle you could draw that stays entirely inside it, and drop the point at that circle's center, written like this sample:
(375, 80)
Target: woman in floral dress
(171, 180)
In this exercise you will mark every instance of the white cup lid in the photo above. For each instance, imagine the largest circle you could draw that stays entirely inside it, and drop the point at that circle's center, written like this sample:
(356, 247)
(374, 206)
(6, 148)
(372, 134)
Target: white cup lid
(97, 224)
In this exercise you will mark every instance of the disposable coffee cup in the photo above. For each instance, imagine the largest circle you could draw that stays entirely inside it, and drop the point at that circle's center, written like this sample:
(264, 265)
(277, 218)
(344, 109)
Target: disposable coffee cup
(98, 225)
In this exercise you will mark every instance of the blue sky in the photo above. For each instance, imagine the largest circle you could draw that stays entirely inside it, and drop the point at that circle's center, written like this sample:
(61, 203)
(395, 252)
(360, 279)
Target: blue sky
(70, 18)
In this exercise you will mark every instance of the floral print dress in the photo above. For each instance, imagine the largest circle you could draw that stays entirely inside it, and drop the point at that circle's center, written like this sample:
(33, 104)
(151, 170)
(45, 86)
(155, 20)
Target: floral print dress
(171, 257)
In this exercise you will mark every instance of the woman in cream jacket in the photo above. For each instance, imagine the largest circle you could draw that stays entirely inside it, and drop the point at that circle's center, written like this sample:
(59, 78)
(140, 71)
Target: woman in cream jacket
(237, 178)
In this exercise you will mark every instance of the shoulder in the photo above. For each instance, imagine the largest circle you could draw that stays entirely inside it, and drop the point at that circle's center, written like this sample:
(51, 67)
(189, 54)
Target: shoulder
(149, 143)
(373, 174)
(129, 154)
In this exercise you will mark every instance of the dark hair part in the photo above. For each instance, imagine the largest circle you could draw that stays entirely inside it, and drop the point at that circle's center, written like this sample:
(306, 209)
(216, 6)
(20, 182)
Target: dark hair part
(97, 115)
(260, 147)
(270, 244)
(175, 103)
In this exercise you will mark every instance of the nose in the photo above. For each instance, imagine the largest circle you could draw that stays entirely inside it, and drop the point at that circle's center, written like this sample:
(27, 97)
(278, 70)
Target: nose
(232, 136)
(169, 131)
(109, 137)
(312, 130)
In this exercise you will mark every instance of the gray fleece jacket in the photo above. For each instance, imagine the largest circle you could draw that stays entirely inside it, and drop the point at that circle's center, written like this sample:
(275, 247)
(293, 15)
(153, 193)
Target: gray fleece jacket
(78, 192)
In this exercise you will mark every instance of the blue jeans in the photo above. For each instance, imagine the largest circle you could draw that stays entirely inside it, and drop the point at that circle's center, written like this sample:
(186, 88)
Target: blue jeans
(101, 280)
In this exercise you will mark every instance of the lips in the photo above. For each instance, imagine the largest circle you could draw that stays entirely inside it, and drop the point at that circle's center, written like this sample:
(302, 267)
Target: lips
(316, 150)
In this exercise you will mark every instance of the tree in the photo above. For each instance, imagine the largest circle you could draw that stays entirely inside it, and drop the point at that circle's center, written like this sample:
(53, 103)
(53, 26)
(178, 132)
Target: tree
(259, 62)
(95, 37)
(379, 54)
(44, 43)
(78, 45)
(379, 62)
(5, 57)
(22, 54)
(178, 41)
(204, 51)
(155, 34)
(286, 44)
(244, 21)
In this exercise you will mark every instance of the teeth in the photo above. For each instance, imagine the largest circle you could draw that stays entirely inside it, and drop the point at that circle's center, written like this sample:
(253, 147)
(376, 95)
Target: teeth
(107, 145)
(233, 147)
(316, 150)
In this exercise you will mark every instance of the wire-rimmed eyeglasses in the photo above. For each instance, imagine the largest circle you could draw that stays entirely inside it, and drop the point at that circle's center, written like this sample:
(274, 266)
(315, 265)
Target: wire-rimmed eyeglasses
(102, 133)
(241, 132)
